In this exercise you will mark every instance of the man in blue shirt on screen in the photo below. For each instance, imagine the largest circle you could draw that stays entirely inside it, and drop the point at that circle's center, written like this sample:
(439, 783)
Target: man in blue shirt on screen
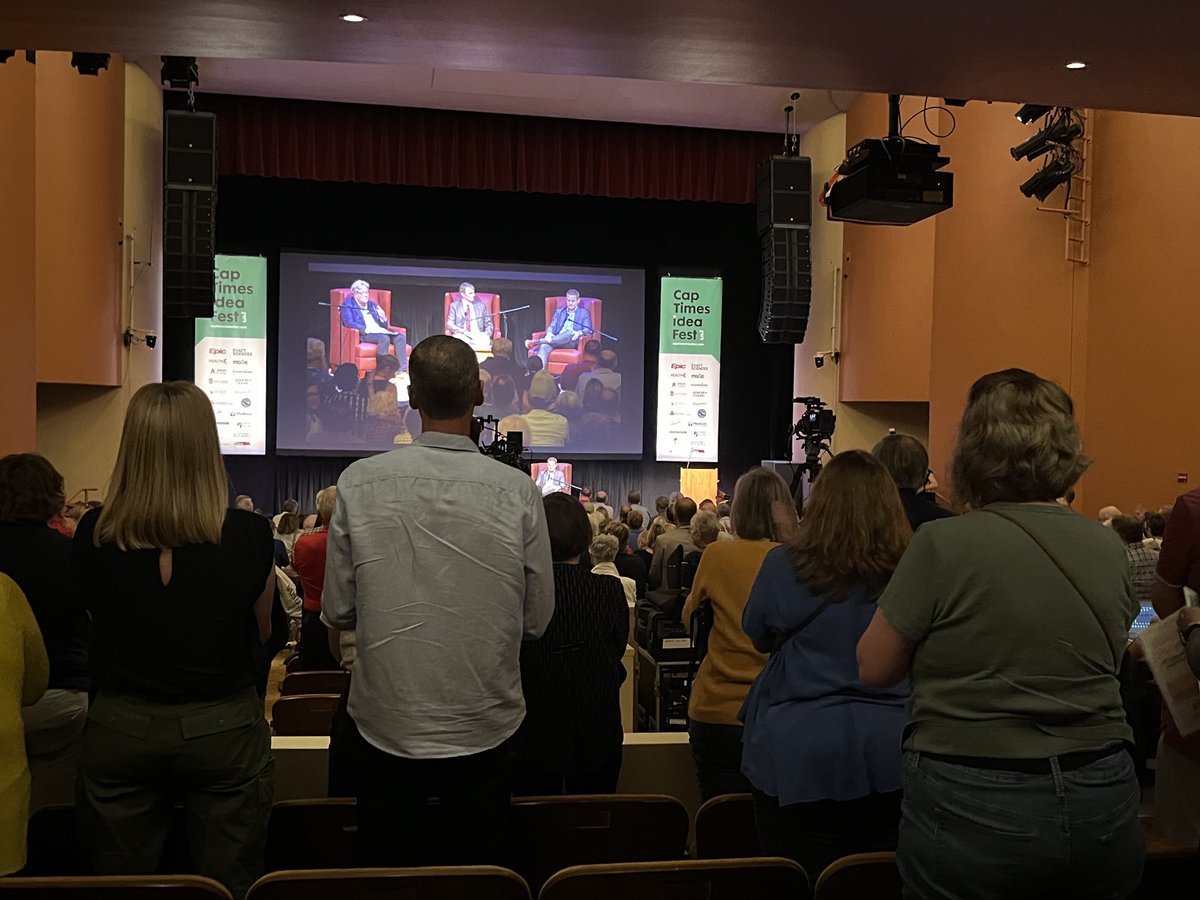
(367, 317)
(568, 325)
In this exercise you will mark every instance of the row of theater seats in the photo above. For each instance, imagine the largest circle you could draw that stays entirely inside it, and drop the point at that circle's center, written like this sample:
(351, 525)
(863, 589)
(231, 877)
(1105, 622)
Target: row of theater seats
(569, 848)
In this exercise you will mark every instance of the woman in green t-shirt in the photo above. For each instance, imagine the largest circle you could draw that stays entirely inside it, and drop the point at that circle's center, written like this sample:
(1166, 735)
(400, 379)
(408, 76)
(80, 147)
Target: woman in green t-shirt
(1012, 621)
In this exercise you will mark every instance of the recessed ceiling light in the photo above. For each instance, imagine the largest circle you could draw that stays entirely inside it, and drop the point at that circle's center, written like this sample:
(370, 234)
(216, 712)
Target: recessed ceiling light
(353, 17)
(1076, 64)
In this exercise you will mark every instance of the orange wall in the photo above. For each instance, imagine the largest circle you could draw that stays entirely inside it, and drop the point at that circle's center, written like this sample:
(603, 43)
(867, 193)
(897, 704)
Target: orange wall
(79, 181)
(1002, 287)
(1143, 369)
(887, 297)
(17, 209)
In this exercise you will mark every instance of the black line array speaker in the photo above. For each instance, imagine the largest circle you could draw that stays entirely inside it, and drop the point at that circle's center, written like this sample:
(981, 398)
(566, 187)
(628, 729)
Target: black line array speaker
(784, 219)
(189, 209)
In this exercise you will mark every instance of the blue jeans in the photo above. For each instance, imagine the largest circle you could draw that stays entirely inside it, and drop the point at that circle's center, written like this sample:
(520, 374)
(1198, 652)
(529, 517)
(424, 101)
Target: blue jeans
(982, 834)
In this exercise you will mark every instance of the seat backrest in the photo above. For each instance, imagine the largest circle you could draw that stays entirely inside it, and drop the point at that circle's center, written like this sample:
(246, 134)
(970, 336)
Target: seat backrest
(861, 875)
(313, 834)
(304, 715)
(671, 567)
(767, 878)
(550, 833)
(431, 883)
(491, 301)
(343, 342)
(725, 828)
(316, 681)
(114, 887)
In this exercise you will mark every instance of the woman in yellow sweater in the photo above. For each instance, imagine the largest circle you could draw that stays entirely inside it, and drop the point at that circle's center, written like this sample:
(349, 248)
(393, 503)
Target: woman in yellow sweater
(726, 573)
(24, 672)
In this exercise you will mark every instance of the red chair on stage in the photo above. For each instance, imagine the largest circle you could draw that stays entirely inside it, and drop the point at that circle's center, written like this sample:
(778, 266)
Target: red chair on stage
(344, 345)
(561, 357)
(565, 468)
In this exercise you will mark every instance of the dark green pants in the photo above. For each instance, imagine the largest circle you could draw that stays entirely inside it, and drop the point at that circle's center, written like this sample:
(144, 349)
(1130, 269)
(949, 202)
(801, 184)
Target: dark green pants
(139, 757)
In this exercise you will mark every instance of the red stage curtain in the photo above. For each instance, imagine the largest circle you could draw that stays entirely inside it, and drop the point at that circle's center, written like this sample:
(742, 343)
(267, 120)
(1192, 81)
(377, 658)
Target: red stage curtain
(438, 148)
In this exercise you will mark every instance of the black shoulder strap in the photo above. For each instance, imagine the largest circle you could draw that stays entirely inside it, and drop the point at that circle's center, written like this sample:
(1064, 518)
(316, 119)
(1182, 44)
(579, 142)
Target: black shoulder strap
(1063, 569)
(782, 639)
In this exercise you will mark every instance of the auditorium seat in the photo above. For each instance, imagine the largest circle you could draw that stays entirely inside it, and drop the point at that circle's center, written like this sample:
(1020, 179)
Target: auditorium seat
(114, 887)
(334, 681)
(725, 828)
(426, 883)
(861, 875)
(561, 357)
(765, 878)
(312, 834)
(546, 834)
(304, 715)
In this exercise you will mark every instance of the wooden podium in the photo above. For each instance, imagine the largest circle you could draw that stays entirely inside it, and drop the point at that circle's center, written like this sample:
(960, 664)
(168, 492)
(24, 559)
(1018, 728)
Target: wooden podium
(699, 484)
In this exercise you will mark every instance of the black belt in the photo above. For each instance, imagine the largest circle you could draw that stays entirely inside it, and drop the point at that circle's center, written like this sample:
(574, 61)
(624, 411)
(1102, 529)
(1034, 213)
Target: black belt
(1066, 762)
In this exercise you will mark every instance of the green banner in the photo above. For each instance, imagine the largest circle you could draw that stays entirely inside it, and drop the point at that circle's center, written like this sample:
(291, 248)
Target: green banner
(691, 316)
(239, 299)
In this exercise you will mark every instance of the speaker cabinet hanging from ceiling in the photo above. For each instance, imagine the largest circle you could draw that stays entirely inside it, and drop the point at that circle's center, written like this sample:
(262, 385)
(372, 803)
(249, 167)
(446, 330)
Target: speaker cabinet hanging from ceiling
(189, 210)
(784, 219)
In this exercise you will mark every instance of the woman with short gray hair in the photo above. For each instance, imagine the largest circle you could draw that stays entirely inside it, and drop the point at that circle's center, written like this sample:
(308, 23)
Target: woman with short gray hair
(1012, 620)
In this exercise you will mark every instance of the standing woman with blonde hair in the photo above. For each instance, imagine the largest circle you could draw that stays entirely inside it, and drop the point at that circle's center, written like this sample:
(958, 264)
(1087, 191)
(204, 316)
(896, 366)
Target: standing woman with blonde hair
(180, 594)
(1013, 620)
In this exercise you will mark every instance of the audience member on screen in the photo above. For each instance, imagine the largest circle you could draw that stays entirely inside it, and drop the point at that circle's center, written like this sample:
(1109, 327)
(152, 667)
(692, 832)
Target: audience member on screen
(552, 478)
(821, 747)
(605, 372)
(907, 462)
(1013, 619)
(569, 405)
(569, 323)
(175, 720)
(436, 696)
(309, 563)
(38, 559)
(501, 361)
(546, 428)
(367, 317)
(590, 396)
(345, 407)
(24, 674)
(469, 319)
(313, 424)
(385, 421)
(572, 674)
(533, 365)
(723, 581)
(570, 375)
(679, 534)
(1177, 763)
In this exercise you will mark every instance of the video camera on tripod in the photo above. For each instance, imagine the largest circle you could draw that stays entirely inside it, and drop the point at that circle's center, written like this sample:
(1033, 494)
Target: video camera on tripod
(814, 428)
(507, 448)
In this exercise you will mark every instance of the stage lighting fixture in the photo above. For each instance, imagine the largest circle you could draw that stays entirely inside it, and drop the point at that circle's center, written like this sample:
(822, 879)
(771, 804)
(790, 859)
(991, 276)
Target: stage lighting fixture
(1043, 182)
(90, 63)
(180, 71)
(6, 55)
(1062, 131)
(1031, 112)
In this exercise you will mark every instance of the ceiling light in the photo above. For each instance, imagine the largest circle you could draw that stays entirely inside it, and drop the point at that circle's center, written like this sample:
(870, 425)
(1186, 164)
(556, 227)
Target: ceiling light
(353, 17)
(1076, 64)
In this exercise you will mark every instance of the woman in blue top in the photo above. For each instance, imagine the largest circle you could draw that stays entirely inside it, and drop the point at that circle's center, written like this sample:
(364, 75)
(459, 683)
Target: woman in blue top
(820, 748)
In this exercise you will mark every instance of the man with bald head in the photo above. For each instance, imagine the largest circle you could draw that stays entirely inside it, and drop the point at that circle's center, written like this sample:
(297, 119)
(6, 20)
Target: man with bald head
(441, 599)
(678, 535)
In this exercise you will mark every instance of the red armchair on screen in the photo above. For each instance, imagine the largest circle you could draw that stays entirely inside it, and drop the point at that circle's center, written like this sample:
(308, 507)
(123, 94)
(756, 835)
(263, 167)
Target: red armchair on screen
(344, 345)
(561, 358)
(565, 468)
(491, 301)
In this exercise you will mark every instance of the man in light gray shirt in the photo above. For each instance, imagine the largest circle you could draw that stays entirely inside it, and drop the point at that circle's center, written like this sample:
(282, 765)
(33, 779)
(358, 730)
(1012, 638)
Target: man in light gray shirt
(440, 559)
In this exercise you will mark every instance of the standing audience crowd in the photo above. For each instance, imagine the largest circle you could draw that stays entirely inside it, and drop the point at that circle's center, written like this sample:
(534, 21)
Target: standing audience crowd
(881, 674)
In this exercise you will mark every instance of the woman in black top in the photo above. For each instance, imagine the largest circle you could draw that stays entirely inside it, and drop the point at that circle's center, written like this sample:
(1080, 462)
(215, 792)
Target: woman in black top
(38, 559)
(572, 675)
(180, 592)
